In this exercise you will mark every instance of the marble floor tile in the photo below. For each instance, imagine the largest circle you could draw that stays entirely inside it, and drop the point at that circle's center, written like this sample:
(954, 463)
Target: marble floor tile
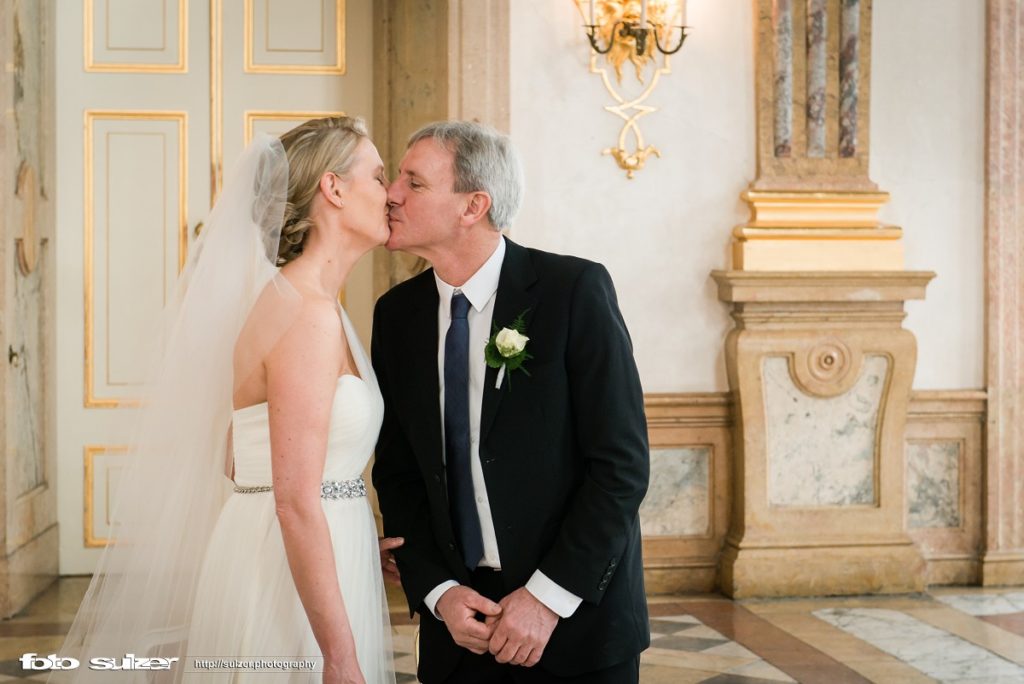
(660, 674)
(783, 651)
(1013, 623)
(870, 662)
(986, 604)
(935, 652)
(913, 639)
(978, 632)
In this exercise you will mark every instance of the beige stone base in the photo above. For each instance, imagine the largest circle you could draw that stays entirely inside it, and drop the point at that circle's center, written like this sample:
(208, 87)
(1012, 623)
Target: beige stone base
(821, 571)
(21, 575)
(680, 579)
(1002, 569)
(817, 255)
(952, 571)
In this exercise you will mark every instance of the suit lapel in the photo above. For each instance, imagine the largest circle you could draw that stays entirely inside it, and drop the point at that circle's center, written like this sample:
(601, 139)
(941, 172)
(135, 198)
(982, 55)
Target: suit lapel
(513, 298)
(422, 370)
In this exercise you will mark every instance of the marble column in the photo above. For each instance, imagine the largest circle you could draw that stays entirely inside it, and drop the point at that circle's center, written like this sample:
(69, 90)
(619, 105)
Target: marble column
(1003, 560)
(28, 505)
(435, 60)
(819, 364)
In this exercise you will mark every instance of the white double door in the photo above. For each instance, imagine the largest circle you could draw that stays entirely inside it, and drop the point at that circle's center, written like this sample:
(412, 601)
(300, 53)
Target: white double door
(155, 99)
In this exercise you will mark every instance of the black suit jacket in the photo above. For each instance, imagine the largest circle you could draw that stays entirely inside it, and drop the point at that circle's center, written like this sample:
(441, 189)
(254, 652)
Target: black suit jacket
(564, 454)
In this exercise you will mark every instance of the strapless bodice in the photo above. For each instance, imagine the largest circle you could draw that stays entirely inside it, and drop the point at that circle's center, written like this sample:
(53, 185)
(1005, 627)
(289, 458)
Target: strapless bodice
(356, 416)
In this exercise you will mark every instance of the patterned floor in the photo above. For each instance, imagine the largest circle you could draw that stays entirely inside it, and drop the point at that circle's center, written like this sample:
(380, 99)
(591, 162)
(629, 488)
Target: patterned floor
(956, 635)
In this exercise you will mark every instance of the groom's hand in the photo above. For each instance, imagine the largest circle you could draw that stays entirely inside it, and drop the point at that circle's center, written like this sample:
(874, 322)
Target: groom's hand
(458, 608)
(387, 559)
(523, 631)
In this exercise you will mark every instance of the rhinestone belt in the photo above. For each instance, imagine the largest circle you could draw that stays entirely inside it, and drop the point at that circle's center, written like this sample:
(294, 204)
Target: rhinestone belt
(329, 489)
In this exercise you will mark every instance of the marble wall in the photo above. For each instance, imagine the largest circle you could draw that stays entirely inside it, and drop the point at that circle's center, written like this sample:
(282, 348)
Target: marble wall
(28, 557)
(933, 484)
(678, 498)
(821, 450)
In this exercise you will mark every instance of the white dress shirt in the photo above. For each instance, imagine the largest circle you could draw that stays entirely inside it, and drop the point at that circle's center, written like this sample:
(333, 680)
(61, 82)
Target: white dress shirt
(481, 290)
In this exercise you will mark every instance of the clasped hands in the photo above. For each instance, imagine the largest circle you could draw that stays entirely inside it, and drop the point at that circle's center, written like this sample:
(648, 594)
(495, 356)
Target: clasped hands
(515, 630)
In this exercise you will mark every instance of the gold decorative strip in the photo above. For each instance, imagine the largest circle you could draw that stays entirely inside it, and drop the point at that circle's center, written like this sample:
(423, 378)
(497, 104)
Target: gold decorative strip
(338, 68)
(91, 65)
(88, 509)
(216, 99)
(91, 116)
(252, 116)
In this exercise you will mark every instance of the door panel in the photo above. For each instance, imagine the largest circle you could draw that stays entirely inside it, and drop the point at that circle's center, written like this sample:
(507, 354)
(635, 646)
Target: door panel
(155, 100)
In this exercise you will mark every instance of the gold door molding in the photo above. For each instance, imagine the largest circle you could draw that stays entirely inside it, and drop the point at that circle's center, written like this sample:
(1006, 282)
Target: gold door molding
(254, 117)
(180, 119)
(216, 100)
(92, 64)
(92, 452)
(252, 65)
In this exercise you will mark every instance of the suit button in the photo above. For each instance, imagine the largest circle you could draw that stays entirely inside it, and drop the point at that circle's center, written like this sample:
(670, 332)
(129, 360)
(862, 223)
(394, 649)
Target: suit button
(437, 478)
(451, 546)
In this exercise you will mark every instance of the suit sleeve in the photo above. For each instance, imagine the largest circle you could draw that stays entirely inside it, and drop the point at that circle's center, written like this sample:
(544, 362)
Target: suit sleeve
(611, 430)
(401, 491)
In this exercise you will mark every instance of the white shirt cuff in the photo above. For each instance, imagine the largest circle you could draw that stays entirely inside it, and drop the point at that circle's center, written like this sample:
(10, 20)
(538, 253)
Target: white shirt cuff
(561, 601)
(435, 594)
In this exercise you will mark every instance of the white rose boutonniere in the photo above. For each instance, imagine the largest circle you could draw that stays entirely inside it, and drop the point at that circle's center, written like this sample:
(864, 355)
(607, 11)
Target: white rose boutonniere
(506, 350)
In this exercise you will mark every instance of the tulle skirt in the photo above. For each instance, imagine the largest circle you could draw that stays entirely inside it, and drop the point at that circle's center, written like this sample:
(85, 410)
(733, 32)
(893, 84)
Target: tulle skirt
(247, 607)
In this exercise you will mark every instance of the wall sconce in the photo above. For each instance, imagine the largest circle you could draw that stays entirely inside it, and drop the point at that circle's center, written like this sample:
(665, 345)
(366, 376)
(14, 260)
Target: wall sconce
(645, 32)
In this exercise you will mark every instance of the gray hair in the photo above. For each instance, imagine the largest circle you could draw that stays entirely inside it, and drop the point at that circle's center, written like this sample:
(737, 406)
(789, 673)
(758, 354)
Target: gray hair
(484, 161)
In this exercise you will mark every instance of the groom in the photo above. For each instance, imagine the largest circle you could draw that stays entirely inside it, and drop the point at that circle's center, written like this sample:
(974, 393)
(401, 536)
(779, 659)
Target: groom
(516, 489)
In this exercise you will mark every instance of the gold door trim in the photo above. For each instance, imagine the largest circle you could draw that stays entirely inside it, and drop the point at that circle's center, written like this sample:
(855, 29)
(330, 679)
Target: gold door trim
(338, 68)
(216, 99)
(92, 66)
(89, 504)
(91, 116)
(254, 115)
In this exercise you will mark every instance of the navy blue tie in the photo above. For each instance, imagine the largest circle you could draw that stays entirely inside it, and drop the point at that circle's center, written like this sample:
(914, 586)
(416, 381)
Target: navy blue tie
(456, 434)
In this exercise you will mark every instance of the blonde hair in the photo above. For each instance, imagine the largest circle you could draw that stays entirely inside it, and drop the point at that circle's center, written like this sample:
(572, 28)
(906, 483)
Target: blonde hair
(313, 148)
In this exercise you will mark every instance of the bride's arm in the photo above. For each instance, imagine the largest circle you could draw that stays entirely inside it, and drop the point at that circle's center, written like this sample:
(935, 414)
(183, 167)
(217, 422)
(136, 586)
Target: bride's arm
(302, 375)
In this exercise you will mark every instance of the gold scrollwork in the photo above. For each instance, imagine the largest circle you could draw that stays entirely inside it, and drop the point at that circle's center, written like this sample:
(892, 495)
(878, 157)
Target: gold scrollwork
(630, 110)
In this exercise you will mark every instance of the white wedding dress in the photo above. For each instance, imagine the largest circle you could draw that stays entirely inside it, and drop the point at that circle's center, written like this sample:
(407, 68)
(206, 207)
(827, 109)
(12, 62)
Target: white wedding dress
(246, 604)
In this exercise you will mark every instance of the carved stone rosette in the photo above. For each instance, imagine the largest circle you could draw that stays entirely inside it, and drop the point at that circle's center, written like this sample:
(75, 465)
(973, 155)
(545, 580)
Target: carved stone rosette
(821, 371)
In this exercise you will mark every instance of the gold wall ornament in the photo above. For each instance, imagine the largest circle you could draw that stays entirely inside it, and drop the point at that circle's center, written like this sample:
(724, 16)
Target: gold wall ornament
(27, 243)
(642, 32)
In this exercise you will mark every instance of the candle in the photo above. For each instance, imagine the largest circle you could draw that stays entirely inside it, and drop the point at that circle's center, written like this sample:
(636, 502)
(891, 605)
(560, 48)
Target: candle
(682, 12)
(643, 13)
(593, 18)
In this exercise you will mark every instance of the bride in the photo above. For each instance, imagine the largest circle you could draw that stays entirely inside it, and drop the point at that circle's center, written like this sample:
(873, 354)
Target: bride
(258, 362)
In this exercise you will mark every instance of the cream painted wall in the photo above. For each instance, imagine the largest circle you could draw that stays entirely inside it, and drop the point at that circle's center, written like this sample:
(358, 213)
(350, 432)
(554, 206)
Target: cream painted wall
(928, 151)
(663, 232)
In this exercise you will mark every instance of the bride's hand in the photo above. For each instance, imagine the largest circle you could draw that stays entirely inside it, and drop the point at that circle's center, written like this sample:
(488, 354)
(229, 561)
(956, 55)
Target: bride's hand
(345, 672)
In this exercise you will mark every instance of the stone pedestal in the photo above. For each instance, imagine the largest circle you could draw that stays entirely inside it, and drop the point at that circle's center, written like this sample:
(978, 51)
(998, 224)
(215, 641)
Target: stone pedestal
(821, 371)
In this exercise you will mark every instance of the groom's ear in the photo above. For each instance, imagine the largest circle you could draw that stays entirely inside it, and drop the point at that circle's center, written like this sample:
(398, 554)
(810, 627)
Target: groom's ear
(476, 208)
